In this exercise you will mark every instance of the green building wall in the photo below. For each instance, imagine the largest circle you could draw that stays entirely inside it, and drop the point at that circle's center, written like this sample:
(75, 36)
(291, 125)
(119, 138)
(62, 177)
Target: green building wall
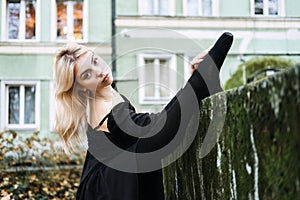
(241, 8)
(38, 66)
(99, 17)
(292, 8)
(126, 8)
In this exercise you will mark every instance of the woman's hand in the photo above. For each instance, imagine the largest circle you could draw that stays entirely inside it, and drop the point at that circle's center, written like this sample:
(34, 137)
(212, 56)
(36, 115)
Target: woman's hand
(198, 59)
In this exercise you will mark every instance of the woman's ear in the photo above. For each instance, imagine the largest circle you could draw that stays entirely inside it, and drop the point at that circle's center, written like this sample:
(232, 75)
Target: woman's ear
(80, 88)
(83, 92)
(83, 89)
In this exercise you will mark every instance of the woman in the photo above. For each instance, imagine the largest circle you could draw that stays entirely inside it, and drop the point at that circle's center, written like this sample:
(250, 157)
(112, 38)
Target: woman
(90, 111)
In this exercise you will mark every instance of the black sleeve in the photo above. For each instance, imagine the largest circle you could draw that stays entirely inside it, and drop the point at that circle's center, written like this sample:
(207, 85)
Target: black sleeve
(156, 130)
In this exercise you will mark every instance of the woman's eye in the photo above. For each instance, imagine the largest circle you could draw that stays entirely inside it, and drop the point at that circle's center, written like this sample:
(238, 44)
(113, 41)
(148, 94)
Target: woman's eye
(87, 75)
(96, 61)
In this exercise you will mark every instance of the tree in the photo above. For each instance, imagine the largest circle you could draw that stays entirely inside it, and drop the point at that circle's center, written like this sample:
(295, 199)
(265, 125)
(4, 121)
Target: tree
(256, 65)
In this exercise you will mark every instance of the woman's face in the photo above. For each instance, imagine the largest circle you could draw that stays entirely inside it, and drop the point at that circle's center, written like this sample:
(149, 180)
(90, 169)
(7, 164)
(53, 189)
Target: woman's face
(92, 73)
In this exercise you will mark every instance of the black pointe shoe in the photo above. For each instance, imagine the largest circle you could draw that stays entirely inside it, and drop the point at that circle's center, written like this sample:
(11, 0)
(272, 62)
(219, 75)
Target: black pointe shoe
(220, 49)
(209, 68)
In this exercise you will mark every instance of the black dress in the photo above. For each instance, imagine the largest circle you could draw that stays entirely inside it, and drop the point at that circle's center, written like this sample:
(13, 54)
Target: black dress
(103, 182)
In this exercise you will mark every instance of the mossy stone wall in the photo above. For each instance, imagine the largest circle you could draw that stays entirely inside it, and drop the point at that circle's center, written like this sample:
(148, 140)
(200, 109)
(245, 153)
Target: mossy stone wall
(256, 155)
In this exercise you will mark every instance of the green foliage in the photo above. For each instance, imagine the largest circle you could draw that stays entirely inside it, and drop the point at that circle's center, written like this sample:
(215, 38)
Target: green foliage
(34, 152)
(37, 168)
(41, 184)
(255, 65)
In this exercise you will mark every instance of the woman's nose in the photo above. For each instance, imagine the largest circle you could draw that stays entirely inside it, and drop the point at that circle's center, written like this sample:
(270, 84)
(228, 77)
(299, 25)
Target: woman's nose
(99, 72)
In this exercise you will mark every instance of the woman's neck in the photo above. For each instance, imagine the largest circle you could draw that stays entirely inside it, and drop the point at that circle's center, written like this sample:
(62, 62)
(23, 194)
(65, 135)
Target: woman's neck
(106, 94)
(101, 105)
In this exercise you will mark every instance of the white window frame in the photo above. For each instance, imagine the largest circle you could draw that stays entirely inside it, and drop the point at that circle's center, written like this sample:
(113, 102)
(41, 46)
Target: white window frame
(52, 110)
(188, 57)
(171, 11)
(281, 9)
(141, 72)
(4, 105)
(4, 27)
(69, 21)
(215, 8)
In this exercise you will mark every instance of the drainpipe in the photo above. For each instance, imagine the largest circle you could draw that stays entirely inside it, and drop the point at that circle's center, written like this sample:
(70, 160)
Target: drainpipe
(241, 58)
(113, 38)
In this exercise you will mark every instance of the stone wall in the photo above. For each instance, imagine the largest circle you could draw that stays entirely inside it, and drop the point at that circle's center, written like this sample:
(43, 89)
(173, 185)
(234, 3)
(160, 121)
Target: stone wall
(254, 154)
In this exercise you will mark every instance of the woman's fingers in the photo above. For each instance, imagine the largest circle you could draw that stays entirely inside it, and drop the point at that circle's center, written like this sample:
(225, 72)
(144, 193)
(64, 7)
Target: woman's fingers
(198, 59)
(195, 64)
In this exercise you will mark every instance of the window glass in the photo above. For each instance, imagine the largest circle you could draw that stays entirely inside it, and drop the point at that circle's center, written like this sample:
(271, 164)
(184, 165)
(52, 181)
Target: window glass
(149, 78)
(29, 113)
(62, 20)
(259, 7)
(21, 21)
(155, 7)
(273, 7)
(266, 7)
(163, 8)
(207, 7)
(70, 20)
(164, 76)
(13, 11)
(21, 105)
(78, 20)
(156, 77)
(156, 84)
(192, 7)
(14, 105)
(30, 19)
(199, 7)
(147, 7)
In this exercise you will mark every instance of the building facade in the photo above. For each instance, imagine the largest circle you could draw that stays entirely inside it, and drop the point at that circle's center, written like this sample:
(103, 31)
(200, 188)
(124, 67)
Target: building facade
(148, 43)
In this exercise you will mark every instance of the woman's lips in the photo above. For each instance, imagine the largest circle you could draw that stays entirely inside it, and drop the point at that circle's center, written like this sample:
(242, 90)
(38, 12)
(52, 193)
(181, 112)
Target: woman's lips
(105, 78)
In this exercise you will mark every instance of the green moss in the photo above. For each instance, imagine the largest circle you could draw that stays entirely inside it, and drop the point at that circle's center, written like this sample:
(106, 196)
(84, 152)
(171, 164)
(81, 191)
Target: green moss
(258, 148)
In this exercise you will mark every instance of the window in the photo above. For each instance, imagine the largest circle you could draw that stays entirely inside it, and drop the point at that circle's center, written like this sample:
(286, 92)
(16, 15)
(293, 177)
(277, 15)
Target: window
(200, 7)
(21, 19)
(188, 58)
(157, 78)
(156, 7)
(70, 20)
(53, 106)
(268, 7)
(21, 105)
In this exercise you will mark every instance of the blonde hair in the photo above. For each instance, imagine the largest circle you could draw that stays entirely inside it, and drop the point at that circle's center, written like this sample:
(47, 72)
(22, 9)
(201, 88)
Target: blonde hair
(71, 104)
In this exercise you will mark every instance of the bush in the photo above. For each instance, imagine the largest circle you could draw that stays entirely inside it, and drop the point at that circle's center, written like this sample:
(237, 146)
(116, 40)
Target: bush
(255, 65)
(34, 152)
(37, 168)
(41, 184)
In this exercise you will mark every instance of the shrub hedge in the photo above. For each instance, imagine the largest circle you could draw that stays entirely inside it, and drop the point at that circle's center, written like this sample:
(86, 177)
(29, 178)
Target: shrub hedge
(37, 168)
